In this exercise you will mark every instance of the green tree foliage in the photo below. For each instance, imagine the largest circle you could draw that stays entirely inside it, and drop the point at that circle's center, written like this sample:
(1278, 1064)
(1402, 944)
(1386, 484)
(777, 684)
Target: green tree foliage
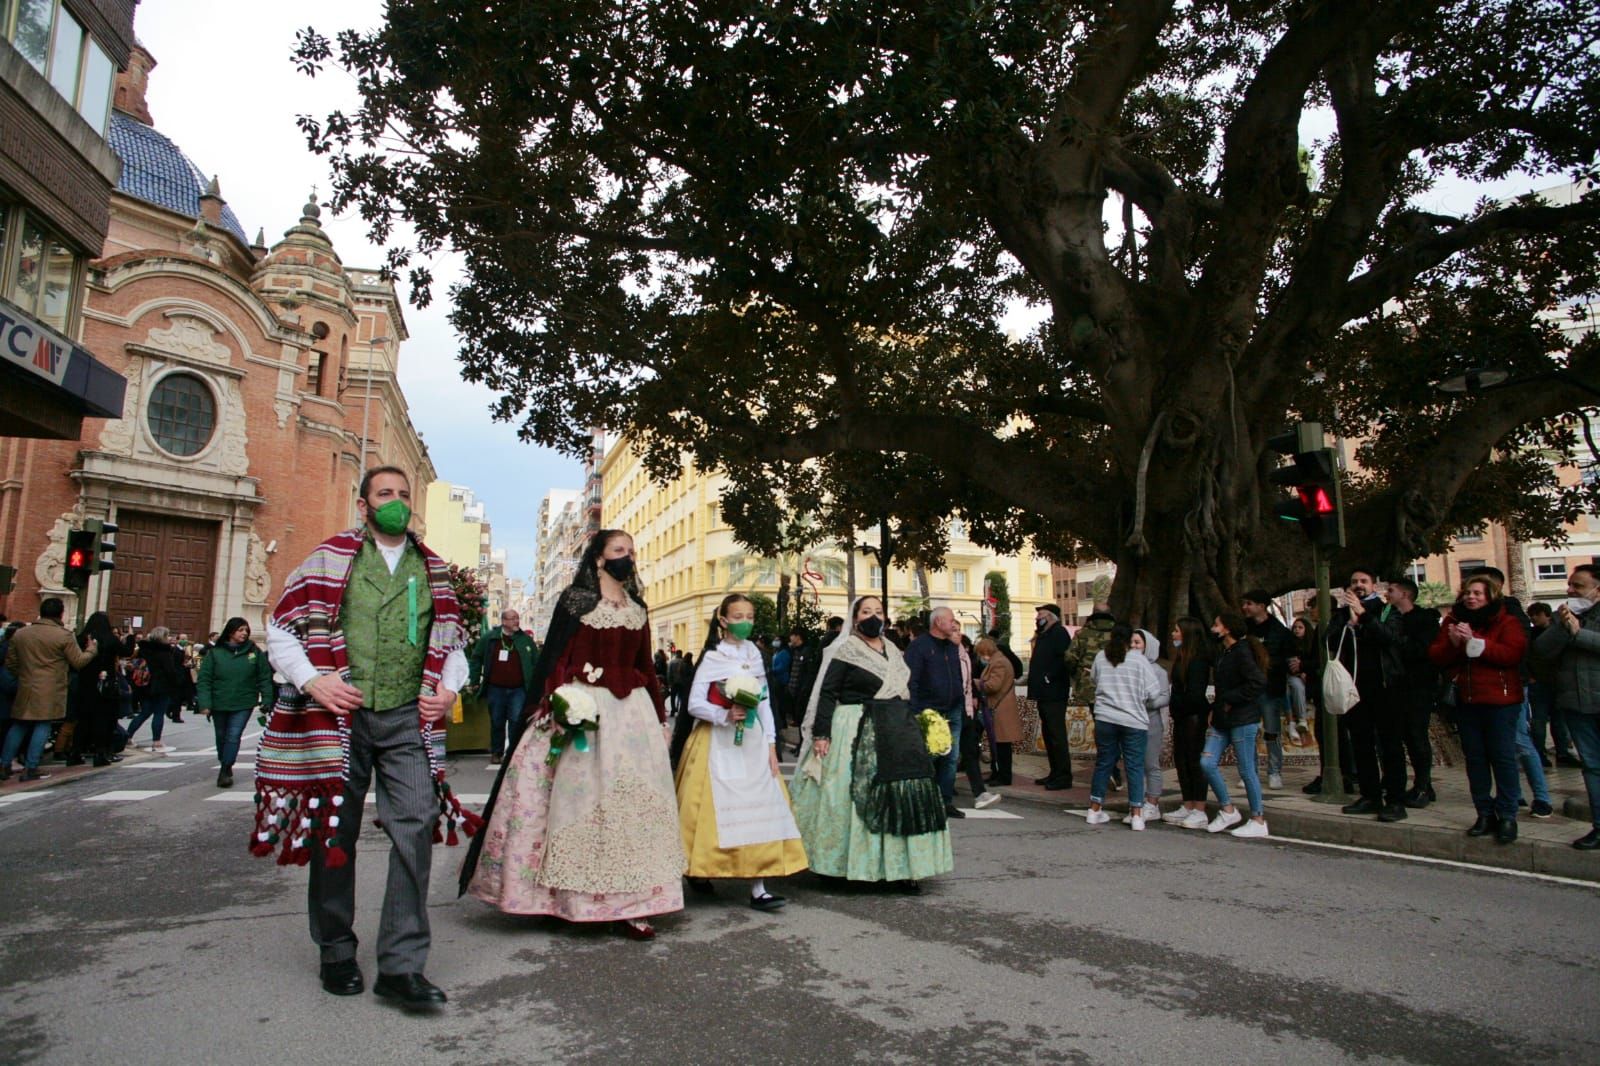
(781, 236)
(1000, 589)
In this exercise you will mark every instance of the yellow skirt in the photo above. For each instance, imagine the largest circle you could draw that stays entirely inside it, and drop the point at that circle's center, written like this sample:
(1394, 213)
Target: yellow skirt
(697, 819)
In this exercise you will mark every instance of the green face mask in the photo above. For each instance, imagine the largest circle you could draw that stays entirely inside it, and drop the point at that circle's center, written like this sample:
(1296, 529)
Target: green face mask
(742, 630)
(392, 518)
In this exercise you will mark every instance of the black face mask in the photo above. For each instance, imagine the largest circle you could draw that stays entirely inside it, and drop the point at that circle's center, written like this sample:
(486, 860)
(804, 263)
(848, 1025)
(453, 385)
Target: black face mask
(1040, 623)
(871, 627)
(621, 569)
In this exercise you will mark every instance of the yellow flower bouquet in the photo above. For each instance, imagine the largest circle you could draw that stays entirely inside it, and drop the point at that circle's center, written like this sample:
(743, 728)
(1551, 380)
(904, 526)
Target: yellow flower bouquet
(935, 732)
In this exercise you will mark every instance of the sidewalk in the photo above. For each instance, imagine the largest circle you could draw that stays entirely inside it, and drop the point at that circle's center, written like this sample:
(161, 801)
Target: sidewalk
(59, 773)
(1439, 831)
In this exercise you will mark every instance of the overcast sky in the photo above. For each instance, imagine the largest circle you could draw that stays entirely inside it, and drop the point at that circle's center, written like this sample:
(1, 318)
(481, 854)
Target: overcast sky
(225, 91)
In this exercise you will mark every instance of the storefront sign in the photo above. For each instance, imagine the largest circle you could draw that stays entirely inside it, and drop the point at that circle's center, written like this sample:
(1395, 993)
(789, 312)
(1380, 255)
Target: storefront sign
(33, 347)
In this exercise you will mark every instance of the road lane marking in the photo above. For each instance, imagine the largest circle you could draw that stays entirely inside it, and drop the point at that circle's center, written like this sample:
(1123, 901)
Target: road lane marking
(988, 812)
(473, 797)
(18, 797)
(232, 797)
(1456, 863)
(126, 795)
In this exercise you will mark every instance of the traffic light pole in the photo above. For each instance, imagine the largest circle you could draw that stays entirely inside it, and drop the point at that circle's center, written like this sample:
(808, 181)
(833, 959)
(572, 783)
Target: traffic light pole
(1332, 779)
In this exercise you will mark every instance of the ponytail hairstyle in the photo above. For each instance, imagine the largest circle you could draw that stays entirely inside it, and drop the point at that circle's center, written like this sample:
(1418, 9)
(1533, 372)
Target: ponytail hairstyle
(1116, 648)
(714, 630)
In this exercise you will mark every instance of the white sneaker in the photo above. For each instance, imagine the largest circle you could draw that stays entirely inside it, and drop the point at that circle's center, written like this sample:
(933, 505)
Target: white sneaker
(1224, 820)
(1152, 812)
(988, 799)
(158, 748)
(1274, 780)
(1195, 819)
(1294, 732)
(1252, 828)
(1176, 816)
(1098, 817)
(1138, 822)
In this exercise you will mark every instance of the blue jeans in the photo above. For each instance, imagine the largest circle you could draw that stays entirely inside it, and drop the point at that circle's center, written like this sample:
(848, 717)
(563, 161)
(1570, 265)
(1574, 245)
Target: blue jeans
(1585, 732)
(229, 727)
(155, 709)
(1112, 742)
(505, 711)
(1272, 708)
(1529, 758)
(1489, 743)
(944, 767)
(1243, 740)
(36, 733)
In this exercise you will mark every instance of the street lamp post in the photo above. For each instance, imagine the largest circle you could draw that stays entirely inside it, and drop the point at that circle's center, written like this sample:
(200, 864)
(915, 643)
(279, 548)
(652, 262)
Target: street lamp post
(373, 346)
(366, 400)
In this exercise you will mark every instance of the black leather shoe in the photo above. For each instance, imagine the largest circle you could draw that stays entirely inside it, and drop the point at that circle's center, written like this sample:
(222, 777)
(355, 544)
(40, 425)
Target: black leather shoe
(1569, 762)
(1313, 787)
(701, 886)
(1362, 806)
(1042, 780)
(225, 779)
(952, 811)
(767, 902)
(1507, 831)
(1057, 786)
(1395, 812)
(411, 990)
(1485, 825)
(996, 779)
(1590, 841)
(343, 978)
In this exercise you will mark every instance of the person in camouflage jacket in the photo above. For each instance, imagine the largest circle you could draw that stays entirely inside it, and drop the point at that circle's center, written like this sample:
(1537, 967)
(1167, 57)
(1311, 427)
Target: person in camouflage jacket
(1086, 643)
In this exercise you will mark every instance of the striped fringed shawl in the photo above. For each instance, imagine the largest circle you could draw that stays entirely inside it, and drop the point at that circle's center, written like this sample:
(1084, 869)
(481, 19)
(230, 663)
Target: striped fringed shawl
(303, 757)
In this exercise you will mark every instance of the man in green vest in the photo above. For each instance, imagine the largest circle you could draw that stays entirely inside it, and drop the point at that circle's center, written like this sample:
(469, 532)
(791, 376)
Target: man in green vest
(502, 665)
(386, 587)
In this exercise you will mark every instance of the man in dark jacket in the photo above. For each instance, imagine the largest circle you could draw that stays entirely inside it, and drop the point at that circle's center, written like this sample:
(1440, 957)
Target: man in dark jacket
(937, 683)
(1365, 635)
(1418, 691)
(503, 664)
(1256, 606)
(1049, 685)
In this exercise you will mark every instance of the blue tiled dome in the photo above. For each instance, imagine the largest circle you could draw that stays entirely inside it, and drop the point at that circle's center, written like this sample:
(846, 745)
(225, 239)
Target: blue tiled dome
(156, 171)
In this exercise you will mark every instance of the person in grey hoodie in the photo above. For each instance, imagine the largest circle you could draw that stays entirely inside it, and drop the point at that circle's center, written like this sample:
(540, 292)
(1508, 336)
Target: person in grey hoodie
(1156, 731)
(1127, 688)
(1572, 643)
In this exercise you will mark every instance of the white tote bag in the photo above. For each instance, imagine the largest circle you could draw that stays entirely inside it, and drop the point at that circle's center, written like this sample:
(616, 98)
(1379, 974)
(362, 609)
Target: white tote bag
(1339, 692)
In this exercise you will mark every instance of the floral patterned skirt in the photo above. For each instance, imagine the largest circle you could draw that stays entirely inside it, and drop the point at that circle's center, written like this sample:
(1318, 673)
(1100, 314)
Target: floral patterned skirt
(595, 837)
(838, 841)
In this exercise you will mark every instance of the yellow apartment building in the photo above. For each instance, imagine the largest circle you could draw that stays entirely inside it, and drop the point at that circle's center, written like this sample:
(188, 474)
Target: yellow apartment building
(688, 559)
(454, 522)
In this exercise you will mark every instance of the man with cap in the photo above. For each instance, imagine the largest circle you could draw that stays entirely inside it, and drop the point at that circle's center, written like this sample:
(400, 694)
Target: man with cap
(1049, 685)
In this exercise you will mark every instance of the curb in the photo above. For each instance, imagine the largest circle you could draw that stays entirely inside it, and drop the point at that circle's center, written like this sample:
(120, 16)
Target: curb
(1430, 842)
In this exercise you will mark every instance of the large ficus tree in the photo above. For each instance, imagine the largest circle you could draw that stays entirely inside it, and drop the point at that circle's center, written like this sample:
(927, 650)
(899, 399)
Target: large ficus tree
(774, 233)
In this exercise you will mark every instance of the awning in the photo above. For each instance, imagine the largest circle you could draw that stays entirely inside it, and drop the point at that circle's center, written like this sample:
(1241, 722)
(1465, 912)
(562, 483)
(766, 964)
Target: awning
(60, 371)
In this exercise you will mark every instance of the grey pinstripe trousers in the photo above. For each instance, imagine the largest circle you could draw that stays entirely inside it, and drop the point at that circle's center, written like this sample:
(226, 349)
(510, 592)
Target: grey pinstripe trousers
(390, 744)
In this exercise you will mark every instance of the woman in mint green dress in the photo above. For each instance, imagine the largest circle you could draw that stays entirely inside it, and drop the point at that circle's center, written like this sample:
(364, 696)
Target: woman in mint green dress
(864, 793)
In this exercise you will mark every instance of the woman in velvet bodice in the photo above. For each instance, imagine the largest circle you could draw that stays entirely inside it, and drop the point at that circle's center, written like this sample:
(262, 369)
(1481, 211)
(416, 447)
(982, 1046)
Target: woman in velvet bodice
(593, 835)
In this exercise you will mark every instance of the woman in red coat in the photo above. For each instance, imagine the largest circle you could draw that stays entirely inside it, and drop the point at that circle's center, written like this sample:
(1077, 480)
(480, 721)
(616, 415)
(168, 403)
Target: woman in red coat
(1480, 649)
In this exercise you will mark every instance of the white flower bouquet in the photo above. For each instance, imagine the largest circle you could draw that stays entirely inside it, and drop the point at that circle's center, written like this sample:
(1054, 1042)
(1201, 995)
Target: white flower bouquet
(574, 714)
(742, 690)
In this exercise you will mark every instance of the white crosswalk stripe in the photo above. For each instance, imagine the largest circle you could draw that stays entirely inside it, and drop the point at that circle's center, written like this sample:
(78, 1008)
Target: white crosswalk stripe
(989, 812)
(18, 797)
(232, 797)
(127, 795)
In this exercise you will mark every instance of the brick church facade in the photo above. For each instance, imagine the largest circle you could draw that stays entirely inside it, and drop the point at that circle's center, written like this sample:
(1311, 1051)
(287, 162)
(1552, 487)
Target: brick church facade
(260, 383)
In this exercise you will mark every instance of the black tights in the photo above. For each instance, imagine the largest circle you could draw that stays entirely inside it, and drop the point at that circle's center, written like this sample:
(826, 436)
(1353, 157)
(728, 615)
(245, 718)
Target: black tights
(1188, 741)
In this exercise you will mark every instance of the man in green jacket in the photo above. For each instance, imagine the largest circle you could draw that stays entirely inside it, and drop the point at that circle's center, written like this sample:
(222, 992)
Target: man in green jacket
(503, 665)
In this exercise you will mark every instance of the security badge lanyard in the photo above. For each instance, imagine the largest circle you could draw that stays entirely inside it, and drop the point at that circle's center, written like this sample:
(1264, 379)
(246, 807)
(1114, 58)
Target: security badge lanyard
(505, 648)
(411, 610)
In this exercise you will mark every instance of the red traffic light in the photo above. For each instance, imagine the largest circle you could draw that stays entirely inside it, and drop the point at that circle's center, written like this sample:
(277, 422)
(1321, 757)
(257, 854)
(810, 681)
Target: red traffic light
(76, 558)
(1315, 500)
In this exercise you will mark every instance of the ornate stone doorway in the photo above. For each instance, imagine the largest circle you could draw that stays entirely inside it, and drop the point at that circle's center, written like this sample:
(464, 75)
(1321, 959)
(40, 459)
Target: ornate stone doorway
(166, 567)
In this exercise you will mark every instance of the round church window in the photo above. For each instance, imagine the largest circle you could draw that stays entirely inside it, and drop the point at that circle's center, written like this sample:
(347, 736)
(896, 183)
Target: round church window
(182, 414)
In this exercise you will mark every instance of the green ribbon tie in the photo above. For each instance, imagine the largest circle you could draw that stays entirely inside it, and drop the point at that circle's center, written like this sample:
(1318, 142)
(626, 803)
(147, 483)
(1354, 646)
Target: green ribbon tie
(411, 610)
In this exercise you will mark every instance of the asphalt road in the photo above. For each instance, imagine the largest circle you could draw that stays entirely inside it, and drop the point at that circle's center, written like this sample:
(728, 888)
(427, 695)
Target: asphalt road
(138, 930)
